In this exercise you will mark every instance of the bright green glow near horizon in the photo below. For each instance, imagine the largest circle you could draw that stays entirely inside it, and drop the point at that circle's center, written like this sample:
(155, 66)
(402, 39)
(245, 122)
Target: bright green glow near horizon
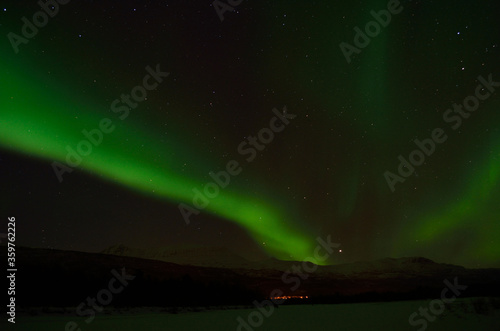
(42, 120)
(464, 213)
(472, 215)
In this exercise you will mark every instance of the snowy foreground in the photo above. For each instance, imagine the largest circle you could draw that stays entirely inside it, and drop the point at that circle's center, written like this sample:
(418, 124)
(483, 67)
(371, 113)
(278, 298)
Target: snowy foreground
(463, 314)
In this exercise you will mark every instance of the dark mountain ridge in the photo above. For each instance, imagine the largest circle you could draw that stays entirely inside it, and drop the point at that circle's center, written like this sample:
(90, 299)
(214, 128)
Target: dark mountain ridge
(67, 278)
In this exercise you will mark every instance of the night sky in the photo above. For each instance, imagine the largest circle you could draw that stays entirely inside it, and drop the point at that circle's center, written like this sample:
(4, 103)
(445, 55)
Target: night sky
(217, 85)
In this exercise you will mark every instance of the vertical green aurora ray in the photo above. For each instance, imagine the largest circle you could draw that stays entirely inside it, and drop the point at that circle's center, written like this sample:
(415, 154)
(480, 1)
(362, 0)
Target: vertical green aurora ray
(373, 89)
(373, 102)
(41, 120)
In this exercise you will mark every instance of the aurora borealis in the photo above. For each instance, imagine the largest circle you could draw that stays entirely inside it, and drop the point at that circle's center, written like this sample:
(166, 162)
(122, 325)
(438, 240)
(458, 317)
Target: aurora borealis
(322, 175)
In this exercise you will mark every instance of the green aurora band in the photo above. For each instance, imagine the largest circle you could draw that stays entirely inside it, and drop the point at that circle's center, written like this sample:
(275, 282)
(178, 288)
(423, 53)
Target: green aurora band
(42, 120)
(476, 205)
(448, 221)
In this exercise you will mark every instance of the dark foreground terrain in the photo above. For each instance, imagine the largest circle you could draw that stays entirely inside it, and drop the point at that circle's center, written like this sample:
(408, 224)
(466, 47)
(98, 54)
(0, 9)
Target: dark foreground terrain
(54, 278)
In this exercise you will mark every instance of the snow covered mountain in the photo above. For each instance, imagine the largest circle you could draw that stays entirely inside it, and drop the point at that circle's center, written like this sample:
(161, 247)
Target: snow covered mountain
(221, 257)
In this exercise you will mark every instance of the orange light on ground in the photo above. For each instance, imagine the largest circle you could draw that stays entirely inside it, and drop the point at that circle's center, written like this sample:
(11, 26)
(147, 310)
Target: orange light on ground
(290, 297)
